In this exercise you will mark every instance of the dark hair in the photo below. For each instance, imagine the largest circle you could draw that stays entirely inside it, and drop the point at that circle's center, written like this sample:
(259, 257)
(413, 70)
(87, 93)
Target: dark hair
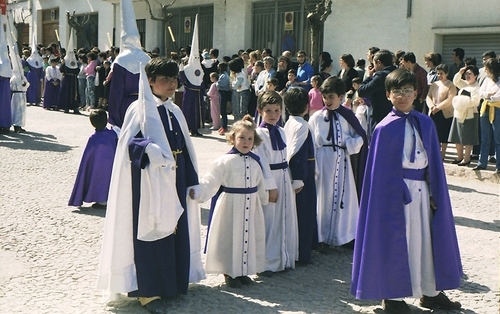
(333, 84)
(301, 52)
(222, 67)
(98, 119)
(106, 62)
(470, 61)
(357, 80)
(268, 98)
(442, 67)
(292, 71)
(214, 74)
(432, 57)
(399, 78)
(214, 52)
(325, 56)
(103, 55)
(317, 79)
(268, 51)
(348, 59)
(92, 56)
(274, 81)
(226, 59)
(235, 66)
(83, 57)
(399, 54)
(473, 69)
(489, 53)
(384, 56)
(116, 50)
(325, 64)
(296, 101)
(161, 66)
(373, 50)
(54, 60)
(410, 57)
(361, 62)
(259, 63)
(493, 66)
(440, 58)
(460, 53)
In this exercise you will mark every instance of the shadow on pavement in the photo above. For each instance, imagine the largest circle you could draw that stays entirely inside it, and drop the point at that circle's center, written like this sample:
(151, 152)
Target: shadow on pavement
(33, 141)
(90, 211)
(467, 190)
(478, 224)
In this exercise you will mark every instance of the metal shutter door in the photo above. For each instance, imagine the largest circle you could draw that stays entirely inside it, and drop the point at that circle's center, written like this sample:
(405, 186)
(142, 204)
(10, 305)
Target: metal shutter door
(474, 45)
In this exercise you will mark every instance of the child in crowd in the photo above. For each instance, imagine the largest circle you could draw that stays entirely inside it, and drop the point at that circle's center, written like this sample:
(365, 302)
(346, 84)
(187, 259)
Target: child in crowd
(406, 243)
(53, 78)
(272, 84)
(107, 69)
(281, 216)
(292, 81)
(225, 94)
(315, 99)
(242, 87)
(213, 94)
(300, 157)
(337, 136)
(358, 105)
(90, 74)
(236, 237)
(94, 174)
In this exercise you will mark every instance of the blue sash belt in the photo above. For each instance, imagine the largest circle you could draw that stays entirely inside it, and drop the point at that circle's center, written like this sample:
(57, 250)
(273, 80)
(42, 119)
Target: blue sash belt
(411, 174)
(239, 190)
(282, 165)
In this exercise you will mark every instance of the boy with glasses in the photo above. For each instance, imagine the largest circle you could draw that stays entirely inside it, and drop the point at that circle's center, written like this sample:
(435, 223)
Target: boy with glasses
(406, 243)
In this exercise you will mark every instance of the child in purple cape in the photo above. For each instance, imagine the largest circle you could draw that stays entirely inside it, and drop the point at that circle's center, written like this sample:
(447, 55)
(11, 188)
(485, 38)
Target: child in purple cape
(406, 244)
(94, 174)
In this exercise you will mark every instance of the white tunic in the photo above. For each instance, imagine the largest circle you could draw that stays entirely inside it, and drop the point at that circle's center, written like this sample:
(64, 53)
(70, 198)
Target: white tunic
(18, 100)
(281, 217)
(418, 221)
(336, 189)
(236, 240)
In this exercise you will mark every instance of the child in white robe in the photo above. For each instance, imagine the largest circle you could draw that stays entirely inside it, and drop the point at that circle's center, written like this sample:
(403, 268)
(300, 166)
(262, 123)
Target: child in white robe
(335, 140)
(236, 237)
(281, 216)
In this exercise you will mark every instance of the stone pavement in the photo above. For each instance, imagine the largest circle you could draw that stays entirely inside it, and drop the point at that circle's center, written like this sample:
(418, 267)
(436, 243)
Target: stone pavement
(49, 252)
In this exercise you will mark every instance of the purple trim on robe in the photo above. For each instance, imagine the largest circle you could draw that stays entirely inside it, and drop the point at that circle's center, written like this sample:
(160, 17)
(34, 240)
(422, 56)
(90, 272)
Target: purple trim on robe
(380, 266)
(51, 94)
(94, 174)
(5, 108)
(193, 104)
(358, 161)
(123, 90)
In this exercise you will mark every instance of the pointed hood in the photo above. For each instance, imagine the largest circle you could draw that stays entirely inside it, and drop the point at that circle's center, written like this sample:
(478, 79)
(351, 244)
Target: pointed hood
(193, 70)
(35, 60)
(131, 54)
(70, 59)
(5, 67)
(17, 68)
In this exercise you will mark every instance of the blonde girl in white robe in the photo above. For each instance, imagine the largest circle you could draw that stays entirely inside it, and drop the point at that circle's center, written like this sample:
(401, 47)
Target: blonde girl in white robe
(236, 239)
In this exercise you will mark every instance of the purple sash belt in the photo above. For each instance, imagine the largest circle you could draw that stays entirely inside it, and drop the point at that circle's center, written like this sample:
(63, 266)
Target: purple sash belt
(239, 190)
(282, 165)
(411, 174)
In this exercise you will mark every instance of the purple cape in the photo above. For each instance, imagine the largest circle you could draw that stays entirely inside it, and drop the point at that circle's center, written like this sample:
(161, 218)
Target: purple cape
(380, 266)
(34, 76)
(94, 174)
(193, 104)
(5, 109)
(123, 90)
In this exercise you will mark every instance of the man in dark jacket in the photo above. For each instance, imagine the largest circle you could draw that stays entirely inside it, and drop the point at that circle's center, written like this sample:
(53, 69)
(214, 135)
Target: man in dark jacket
(374, 87)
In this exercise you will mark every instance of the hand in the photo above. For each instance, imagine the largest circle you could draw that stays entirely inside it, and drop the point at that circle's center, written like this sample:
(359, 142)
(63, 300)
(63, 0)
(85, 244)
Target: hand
(191, 194)
(297, 191)
(358, 101)
(462, 70)
(273, 195)
(435, 110)
(432, 203)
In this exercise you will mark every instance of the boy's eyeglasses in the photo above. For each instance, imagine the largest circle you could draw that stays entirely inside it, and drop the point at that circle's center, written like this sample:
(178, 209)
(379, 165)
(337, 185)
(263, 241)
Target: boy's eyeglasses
(403, 92)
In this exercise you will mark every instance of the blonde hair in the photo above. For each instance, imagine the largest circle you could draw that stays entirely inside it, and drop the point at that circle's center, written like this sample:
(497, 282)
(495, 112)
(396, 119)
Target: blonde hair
(246, 123)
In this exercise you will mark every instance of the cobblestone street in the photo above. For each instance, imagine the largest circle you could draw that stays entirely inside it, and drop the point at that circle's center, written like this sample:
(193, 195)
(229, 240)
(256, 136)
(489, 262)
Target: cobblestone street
(49, 252)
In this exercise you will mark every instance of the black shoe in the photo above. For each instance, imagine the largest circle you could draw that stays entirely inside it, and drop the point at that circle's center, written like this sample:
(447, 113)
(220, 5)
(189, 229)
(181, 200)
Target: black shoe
(440, 301)
(245, 280)
(196, 134)
(497, 171)
(98, 206)
(348, 245)
(76, 112)
(456, 161)
(479, 168)
(303, 263)
(474, 157)
(395, 307)
(492, 160)
(4, 130)
(462, 164)
(267, 273)
(232, 282)
(156, 307)
(19, 129)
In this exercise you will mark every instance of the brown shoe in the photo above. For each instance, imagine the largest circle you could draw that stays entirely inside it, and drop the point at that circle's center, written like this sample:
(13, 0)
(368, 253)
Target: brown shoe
(440, 301)
(395, 307)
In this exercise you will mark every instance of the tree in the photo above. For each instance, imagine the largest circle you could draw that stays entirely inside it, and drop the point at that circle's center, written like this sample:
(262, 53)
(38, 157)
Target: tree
(165, 18)
(317, 18)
